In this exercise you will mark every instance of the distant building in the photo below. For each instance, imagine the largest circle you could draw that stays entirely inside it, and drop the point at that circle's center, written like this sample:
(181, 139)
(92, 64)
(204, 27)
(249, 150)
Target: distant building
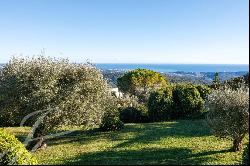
(116, 92)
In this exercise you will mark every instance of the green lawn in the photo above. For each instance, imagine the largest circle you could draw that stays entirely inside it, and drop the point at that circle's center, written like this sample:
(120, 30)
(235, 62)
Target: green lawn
(178, 142)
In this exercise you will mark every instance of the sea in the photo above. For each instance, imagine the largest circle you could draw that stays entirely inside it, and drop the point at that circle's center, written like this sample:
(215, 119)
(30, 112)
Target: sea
(166, 68)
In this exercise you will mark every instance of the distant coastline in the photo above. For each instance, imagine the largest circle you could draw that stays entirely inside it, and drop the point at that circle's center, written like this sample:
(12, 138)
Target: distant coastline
(168, 68)
(165, 68)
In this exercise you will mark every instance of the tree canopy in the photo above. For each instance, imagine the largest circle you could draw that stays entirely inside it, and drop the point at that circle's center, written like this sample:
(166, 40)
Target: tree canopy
(140, 82)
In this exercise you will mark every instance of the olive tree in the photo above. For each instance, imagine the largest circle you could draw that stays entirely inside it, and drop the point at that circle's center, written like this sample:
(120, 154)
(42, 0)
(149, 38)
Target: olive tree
(140, 82)
(75, 94)
(237, 82)
(228, 114)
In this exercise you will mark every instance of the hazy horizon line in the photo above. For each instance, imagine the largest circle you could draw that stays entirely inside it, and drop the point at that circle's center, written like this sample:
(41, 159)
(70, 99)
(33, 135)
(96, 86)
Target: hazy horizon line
(134, 63)
(175, 63)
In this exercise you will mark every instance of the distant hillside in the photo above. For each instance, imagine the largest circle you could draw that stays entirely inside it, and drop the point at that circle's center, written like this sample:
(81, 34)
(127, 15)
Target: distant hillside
(178, 77)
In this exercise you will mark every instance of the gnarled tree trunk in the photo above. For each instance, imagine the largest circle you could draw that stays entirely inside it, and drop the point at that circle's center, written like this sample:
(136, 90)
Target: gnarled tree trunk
(238, 144)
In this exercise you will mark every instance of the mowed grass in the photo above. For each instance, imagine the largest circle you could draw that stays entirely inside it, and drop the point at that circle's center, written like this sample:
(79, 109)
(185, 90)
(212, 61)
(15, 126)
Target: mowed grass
(175, 143)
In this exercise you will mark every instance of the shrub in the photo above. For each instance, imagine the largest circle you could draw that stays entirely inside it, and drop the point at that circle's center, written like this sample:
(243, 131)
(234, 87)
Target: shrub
(13, 152)
(178, 101)
(77, 93)
(138, 114)
(144, 113)
(111, 120)
(245, 155)
(237, 82)
(160, 105)
(140, 82)
(204, 91)
(228, 114)
(187, 101)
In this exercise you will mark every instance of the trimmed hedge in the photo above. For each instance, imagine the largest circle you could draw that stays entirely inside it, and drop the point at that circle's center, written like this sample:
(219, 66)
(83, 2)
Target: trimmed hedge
(13, 152)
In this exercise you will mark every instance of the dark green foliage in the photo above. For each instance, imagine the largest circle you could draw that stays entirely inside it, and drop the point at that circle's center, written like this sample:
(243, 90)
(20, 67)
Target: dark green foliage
(187, 101)
(13, 152)
(216, 78)
(138, 114)
(178, 101)
(140, 82)
(111, 120)
(160, 105)
(204, 91)
(245, 156)
(216, 82)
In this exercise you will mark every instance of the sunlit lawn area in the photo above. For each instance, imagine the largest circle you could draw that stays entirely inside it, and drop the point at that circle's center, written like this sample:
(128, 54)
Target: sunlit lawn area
(178, 142)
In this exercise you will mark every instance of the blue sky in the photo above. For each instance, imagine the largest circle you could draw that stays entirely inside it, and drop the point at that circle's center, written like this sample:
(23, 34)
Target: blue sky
(127, 31)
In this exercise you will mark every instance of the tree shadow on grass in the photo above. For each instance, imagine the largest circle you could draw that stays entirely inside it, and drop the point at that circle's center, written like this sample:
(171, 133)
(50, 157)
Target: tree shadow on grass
(79, 136)
(164, 156)
(123, 153)
(144, 133)
(181, 129)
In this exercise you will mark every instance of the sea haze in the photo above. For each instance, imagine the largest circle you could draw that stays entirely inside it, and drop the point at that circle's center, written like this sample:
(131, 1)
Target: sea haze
(177, 67)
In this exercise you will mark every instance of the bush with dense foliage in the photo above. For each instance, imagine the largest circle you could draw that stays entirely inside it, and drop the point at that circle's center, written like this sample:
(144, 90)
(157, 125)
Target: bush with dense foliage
(177, 101)
(245, 156)
(204, 91)
(228, 114)
(140, 82)
(77, 93)
(237, 82)
(137, 114)
(187, 101)
(111, 120)
(160, 104)
(13, 152)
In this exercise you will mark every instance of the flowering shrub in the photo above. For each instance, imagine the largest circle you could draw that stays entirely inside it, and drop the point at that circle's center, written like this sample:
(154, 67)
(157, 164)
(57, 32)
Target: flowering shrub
(228, 114)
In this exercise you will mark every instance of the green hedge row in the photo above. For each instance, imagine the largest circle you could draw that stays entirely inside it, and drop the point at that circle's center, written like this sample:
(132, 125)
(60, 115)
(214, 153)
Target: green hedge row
(178, 101)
